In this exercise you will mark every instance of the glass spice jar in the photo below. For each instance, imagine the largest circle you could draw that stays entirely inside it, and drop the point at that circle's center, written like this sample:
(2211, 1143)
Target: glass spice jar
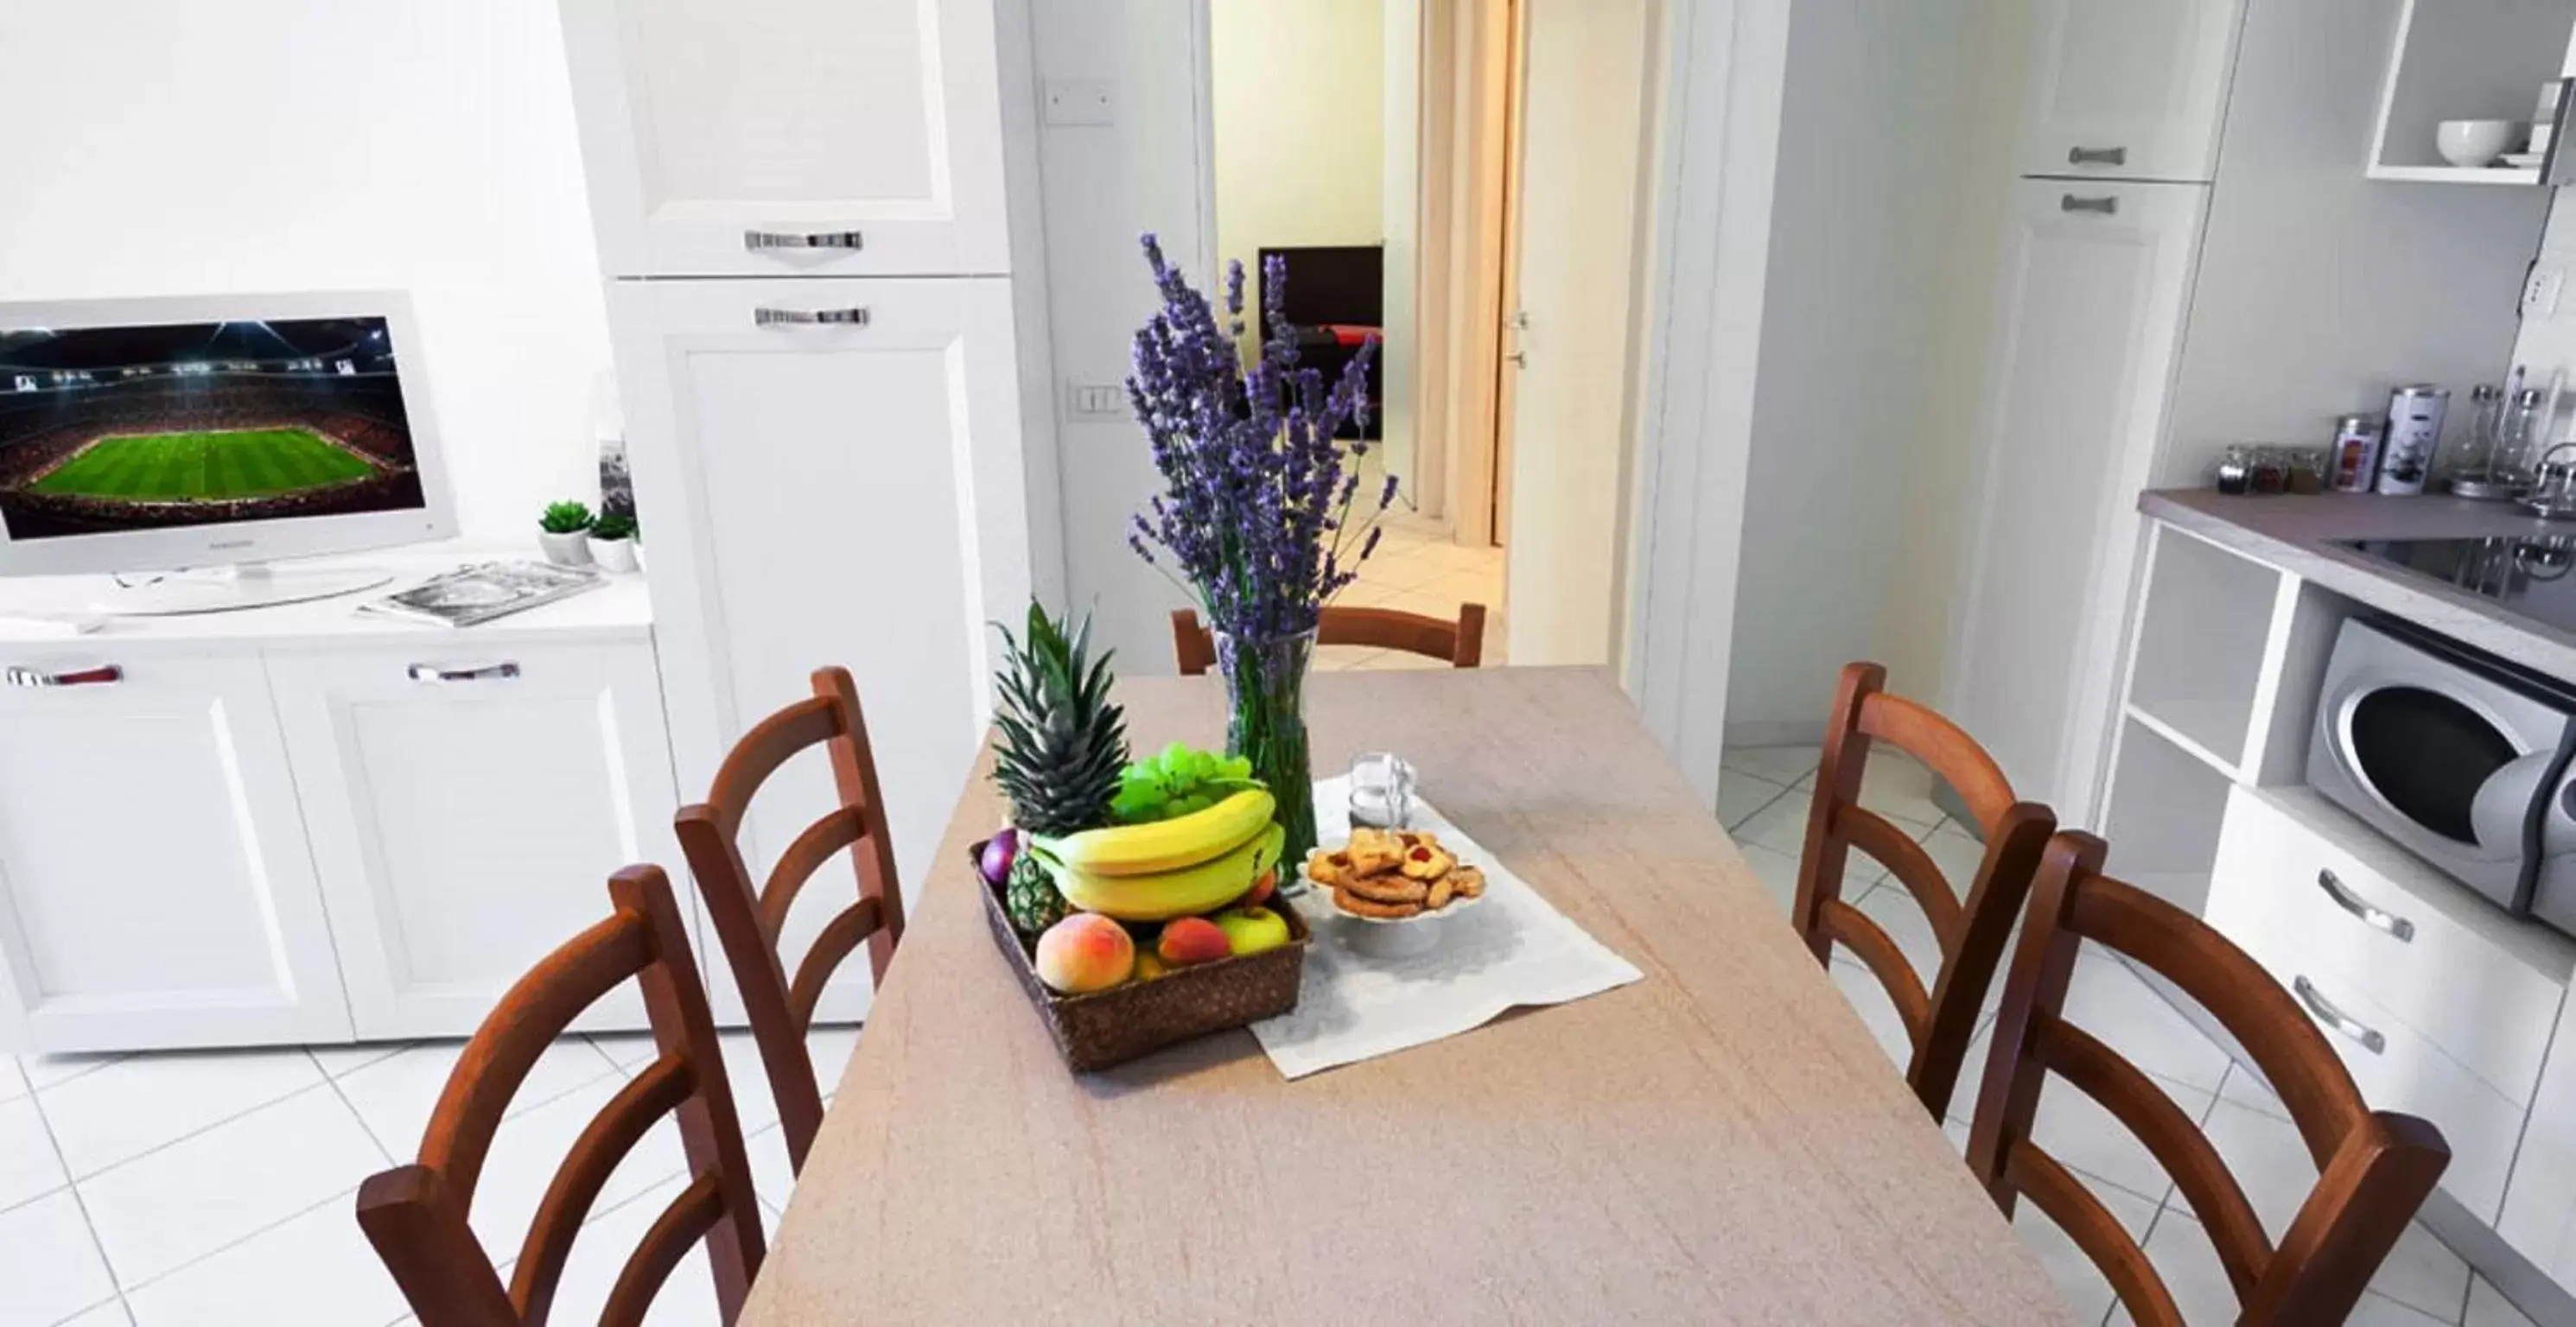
(2234, 471)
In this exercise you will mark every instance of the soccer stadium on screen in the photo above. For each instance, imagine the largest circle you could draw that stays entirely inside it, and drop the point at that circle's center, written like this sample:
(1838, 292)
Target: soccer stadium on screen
(129, 428)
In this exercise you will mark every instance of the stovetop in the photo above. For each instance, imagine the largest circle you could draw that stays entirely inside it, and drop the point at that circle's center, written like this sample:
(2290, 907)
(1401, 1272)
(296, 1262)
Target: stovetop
(2534, 576)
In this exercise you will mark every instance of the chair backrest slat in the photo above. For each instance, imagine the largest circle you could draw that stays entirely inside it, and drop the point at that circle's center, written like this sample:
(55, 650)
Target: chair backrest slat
(750, 919)
(416, 1215)
(1941, 1009)
(688, 1218)
(2064, 1200)
(1459, 643)
(2375, 1169)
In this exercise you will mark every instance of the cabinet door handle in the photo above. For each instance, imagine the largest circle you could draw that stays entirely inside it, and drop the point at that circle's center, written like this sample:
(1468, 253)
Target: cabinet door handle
(850, 317)
(2106, 205)
(2097, 156)
(2371, 915)
(100, 675)
(490, 672)
(759, 240)
(2337, 1019)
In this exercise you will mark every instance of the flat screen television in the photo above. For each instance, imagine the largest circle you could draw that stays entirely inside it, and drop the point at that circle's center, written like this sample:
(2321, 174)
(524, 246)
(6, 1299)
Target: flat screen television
(140, 435)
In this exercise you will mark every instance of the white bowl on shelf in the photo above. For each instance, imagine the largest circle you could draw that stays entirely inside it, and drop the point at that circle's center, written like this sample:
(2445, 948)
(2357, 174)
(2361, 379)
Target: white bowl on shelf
(2474, 143)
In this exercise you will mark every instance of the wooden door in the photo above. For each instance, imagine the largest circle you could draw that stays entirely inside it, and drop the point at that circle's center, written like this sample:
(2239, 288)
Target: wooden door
(837, 493)
(155, 888)
(780, 137)
(2095, 279)
(466, 804)
(2126, 89)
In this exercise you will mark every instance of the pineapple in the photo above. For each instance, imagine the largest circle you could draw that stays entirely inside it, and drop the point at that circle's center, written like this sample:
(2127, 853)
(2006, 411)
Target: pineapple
(1061, 748)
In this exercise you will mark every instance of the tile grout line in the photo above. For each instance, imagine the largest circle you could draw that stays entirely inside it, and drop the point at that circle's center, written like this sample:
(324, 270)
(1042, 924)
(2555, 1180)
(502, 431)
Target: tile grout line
(231, 1244)
(369, 1130)
(115, 1284)
(168, 1143)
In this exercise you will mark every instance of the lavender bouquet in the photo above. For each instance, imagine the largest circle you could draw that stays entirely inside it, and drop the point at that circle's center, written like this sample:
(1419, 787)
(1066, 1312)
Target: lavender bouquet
(1256, 518)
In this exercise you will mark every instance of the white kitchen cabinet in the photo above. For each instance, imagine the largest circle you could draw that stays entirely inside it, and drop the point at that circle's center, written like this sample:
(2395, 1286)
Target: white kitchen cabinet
(2127, 89)
(829, 493)
(155, 886)
(2096, 276)
(2540, 1204)
(783, 137)
(466, 803)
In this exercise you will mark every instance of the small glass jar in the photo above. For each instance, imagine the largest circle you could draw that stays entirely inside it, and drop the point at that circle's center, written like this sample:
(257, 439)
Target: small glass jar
(1381, 791)
(2307, 470)
(2271, 472)
(2234, 471)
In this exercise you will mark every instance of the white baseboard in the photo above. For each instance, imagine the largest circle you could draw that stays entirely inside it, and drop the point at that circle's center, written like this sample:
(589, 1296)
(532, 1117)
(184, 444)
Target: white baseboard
(1757, 732)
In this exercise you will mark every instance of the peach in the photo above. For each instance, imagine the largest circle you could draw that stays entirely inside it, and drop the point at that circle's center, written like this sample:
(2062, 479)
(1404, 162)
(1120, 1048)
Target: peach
(1085, 952)
(1260, 892)
(1188, 940)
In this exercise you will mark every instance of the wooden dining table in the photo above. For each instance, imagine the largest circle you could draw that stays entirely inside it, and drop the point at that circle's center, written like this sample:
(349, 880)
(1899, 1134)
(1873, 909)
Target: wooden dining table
(1722, 1141)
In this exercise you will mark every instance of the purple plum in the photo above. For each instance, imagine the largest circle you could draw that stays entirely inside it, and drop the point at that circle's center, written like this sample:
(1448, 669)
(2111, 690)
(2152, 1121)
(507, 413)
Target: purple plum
(999, 852)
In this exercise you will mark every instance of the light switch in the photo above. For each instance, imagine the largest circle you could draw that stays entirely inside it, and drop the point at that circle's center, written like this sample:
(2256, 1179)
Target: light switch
(1072, 101)
(1094, 401)
(2540, 290)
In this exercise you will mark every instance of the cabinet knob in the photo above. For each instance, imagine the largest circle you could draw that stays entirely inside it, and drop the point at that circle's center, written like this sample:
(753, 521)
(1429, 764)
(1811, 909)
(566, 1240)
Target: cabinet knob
(2373, 916)
(100, 675)
(2097, 156)
(489, 672)
(2335, 1018)
(850, 317)
(2104, 206)
(758, 241)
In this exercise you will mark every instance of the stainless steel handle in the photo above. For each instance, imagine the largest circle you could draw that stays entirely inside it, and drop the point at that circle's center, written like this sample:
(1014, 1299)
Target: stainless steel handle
(2371, 915)
(851, 317)
(759, 240)
(101, 675)
(2097, 156)
(490, 672)
(1519, 358)
(2106, 205)
(1516, 319)
(2337, 1019)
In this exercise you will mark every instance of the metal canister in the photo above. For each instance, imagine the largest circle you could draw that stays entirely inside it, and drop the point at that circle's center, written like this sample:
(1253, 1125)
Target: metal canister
(2414, 431)
(2354, 459)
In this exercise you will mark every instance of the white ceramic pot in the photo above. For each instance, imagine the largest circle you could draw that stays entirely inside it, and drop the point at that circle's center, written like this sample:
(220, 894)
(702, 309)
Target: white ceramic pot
(566, 550)
(613, 554)
(2474, 143)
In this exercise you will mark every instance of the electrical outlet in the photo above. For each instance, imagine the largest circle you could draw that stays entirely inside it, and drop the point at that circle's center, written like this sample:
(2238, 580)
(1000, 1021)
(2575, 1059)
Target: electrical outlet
(2540, 290)
(1080, 101)
(1093, 401)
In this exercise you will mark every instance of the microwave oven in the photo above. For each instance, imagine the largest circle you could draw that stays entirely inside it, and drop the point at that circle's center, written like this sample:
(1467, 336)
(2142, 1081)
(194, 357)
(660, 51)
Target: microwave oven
(2459, 757)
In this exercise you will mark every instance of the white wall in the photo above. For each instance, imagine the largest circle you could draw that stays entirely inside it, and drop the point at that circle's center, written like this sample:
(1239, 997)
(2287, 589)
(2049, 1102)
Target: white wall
(178, 147)
(1299, 103)
(1891, 166)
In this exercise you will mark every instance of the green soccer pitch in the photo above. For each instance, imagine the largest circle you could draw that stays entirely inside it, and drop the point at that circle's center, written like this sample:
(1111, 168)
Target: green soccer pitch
(203, 467)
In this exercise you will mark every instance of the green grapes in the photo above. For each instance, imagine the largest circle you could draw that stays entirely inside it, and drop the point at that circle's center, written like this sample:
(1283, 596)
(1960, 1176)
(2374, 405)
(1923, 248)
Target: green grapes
(1177, 781)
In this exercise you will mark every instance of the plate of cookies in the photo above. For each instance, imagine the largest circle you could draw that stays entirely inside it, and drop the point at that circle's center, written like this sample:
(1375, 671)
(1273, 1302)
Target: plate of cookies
(1392, 876)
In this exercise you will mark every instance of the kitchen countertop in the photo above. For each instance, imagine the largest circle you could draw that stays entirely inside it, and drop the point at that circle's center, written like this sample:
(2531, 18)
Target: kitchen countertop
(2294, 533)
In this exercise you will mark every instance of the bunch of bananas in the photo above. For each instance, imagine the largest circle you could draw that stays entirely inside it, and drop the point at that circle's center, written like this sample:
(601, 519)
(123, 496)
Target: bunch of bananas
(1171, 868)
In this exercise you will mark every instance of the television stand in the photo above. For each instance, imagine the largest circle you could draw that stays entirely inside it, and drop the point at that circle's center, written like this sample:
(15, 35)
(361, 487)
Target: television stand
(230, 588)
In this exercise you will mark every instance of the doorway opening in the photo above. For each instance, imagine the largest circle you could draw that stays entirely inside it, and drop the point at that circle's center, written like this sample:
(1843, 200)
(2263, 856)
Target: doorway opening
(1470, 181)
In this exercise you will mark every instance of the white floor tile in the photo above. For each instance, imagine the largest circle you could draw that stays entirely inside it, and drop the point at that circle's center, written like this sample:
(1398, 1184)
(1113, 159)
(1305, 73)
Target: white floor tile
(28, 1163)
(110, 1314)
(531, 1146)
(688, 1297)
(313, 1268)
(1778, 872)
(167, 1208)
(1781, 826)
(827, 1048)
(1739, 795)
(13, 1080)
(1899, 787)
(1779, 764)
(122, 1110)
(2269, 1160)
(2422, 1273)
(1958, 853)
(1890, 904)
(1869, 999)
(43, 1071)
(2086, 1137)
(397, 1094)
(340, 1061)
(2378, 1310)
(49, 1268)
(2245, 1087)
(2074, 1271)
(629, 1051)
(2489, 1308)
(2188, 1263)
(830, 1048)
(2108, 1000)
(770, 1173)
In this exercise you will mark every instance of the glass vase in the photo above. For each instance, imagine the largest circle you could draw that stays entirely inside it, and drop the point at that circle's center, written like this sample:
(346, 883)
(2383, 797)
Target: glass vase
(1265, 691)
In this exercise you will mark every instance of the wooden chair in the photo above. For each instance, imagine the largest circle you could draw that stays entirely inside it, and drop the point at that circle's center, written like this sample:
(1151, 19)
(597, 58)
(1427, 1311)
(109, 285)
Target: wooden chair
(415, 1215)
(749, 921)
(1940, 1020)
(2374, 1167)
(1460, 643)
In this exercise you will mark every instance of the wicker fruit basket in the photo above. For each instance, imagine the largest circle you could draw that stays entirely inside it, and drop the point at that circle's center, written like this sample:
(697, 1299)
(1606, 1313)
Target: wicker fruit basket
(1114, 1026)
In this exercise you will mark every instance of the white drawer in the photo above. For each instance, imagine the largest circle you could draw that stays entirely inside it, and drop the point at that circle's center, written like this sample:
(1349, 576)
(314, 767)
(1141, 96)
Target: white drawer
(2299, 877)
(2407, 1072)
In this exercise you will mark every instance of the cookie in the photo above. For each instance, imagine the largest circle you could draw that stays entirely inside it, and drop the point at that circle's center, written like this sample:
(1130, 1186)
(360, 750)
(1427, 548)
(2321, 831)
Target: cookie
(1427, 863)
(1328, 868)
(1385, 888)
(1373, 851)
(1441, 892)
(1469, 882)
(1353, 903)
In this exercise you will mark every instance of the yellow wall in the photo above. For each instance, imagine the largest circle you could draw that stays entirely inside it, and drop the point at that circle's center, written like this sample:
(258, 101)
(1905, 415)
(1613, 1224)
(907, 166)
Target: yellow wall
(1299, 109)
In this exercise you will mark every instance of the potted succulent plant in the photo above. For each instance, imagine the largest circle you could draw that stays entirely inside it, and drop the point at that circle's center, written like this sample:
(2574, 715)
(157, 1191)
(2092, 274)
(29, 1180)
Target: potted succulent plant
(612, 541)
(564, 532)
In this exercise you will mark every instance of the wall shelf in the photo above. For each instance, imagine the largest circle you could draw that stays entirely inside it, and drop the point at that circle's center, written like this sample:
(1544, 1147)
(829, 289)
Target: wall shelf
(2463, 60)
(2527, 175)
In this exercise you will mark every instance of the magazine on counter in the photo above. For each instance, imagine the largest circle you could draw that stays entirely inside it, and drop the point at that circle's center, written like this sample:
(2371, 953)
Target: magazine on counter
(484, 591)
